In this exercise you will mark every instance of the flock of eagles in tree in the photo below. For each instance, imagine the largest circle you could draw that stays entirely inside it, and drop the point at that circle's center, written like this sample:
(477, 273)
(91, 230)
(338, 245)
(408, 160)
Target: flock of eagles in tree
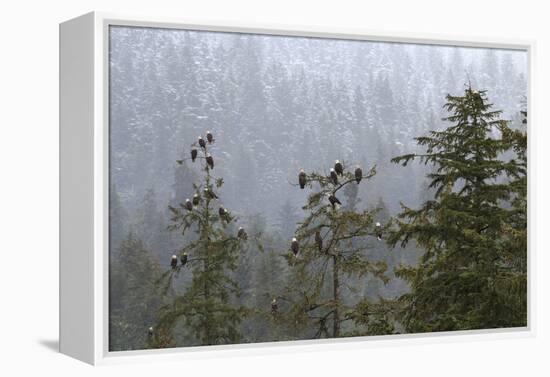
(336, 174)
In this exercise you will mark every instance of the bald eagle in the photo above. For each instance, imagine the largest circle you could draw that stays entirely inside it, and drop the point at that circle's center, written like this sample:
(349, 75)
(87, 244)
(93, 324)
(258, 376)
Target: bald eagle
(196, 199)
(274, 306)
(333, 201)
(194, 154)
(378, 231)
(210, 194)
(294, 246)
(302, 179)
(358, 175)
(224, 213)
(333, 176)
(209, 137)
(150, 331)
(201, 142)
(183, 259)
(210, 161)
(338, 167)
(319, 240)
(188, 205)
(174, 262)
(241, 233)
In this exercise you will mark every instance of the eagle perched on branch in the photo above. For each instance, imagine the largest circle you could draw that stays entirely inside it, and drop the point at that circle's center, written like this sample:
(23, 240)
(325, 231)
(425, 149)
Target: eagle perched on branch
(202, 143)
(358, 175)
(338, 167)
(333, 176)
(302, 179)
(334, 201)
(188, 205)
(209, 137)
(294, 246)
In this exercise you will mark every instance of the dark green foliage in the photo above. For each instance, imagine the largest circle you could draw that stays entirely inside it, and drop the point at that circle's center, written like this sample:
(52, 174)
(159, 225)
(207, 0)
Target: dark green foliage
(378, 318)
(205, 313)
(279, 106)
(473, 272)
(134, 298)
(267, 281)
(314, 303)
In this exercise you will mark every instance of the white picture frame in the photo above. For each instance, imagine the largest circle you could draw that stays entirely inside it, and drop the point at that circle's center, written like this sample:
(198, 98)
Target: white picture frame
(84, 188)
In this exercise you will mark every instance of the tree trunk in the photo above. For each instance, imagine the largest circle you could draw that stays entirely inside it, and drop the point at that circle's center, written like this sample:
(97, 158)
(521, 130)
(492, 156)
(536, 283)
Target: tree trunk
(206, 237)
(336, 298)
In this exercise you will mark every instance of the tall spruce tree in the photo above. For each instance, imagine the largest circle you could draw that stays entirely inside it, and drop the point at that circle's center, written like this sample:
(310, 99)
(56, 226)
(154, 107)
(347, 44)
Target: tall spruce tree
(515, 229)
(328, 250)
(473, 272)
(206, 309)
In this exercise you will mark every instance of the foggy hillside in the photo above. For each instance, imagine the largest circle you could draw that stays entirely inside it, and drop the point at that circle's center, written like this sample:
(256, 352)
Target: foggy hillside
(280, 104)
(274, 105)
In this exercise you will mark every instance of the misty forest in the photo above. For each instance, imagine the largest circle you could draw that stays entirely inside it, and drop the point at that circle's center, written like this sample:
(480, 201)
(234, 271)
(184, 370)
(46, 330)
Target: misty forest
(269, 188)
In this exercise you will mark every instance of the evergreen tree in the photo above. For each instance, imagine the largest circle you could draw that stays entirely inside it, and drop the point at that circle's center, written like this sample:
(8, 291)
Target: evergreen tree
(373, 287)
(473, 272)
(351, 193)
(328, 249)
(133, 296)
(117, 220)
(244, 276)
(287, 218)
(150, 225)
(268, 274)
(206, 308)
(515, 229)
(269, 279)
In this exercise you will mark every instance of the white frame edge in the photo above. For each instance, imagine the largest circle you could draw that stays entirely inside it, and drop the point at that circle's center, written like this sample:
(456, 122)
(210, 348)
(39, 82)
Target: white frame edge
(90, 343)
(77, 276)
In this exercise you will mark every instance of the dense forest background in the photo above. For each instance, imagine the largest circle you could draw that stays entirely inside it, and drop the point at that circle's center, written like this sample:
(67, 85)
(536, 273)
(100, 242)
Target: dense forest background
(275, 105)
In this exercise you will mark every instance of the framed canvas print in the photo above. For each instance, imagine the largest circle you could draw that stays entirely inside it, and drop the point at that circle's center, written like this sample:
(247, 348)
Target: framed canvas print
(230, 186)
